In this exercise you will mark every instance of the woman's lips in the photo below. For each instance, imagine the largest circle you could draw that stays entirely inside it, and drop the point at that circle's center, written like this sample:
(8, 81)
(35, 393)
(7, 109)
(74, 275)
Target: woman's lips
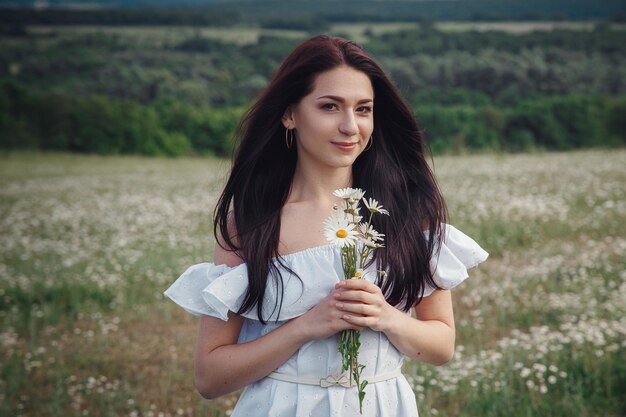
(345, 146)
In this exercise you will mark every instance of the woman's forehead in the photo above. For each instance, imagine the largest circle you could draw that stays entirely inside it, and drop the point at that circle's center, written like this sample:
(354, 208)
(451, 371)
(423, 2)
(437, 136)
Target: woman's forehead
(345, 82)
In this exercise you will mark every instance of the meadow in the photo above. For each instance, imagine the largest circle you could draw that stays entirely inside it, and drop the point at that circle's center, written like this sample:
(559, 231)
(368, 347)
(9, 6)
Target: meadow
(89, 243)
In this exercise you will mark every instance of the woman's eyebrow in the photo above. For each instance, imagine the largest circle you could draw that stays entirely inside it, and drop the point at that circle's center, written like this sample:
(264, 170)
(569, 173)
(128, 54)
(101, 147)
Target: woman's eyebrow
(342, 100)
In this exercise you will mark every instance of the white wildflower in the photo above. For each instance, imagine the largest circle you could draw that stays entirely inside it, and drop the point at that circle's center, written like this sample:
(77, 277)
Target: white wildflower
(339, 231)
(349, 193)
(373, 207)
(369, 233)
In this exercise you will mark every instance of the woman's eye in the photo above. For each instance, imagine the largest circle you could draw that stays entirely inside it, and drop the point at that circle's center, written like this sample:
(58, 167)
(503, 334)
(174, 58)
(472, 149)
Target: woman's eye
(329, 106)
(364, 109)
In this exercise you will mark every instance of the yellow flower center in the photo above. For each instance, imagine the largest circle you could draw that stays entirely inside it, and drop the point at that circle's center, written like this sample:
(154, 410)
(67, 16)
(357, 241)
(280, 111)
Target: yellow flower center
(342, 233)
(357, 274)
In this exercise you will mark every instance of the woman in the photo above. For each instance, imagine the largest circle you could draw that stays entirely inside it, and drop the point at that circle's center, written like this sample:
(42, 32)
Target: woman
(274, 300)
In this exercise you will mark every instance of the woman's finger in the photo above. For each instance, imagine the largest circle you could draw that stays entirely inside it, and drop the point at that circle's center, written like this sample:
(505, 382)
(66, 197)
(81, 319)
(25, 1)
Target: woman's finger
(357, 309)
(358, 296)
(358, 284)
(361, 322)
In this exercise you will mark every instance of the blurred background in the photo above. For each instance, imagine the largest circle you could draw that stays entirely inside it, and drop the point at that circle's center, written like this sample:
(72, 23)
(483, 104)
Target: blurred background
(481, 75)
(116, 124)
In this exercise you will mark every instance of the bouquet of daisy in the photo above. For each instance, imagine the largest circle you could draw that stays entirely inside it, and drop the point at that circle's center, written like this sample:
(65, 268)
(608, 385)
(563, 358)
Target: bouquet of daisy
(357, 240)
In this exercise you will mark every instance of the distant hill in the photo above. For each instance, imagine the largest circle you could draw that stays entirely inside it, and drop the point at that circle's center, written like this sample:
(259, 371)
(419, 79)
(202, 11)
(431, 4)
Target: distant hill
(368, 10)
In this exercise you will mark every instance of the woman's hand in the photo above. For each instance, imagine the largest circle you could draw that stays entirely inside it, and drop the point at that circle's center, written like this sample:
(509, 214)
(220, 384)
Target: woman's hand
(325, 319)
(363, 304)
(428, 338)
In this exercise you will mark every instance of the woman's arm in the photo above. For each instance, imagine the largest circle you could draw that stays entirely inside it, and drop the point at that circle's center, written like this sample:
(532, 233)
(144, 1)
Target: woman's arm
(223, 366)
(429, 337)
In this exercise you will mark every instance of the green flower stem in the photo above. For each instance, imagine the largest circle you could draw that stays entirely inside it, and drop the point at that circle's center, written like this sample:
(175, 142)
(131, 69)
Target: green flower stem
(350, 340)
(354, 258)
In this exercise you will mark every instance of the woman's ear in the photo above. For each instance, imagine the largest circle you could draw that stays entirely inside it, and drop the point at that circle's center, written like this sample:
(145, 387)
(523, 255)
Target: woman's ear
(287, 119)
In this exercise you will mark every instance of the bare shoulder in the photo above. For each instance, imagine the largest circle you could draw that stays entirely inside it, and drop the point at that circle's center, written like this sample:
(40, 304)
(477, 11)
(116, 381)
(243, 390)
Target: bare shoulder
(224, 256)
(222, 253)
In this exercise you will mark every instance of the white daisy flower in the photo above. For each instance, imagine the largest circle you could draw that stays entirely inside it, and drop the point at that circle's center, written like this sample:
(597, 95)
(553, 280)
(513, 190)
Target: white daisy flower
(349, 209)
(371, 244)
(369, 233)
(339, 231)
(372, 206)
(349, 193)
(343, 193)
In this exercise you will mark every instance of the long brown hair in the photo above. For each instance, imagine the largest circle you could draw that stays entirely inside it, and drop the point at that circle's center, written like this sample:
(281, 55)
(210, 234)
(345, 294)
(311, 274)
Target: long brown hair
(394, 171)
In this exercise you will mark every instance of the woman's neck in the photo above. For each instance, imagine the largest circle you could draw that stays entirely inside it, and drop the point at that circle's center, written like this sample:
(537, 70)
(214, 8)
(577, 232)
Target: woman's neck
(318, 184)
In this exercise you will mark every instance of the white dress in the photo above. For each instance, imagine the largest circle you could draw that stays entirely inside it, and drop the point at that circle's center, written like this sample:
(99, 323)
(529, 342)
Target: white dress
(213, 290)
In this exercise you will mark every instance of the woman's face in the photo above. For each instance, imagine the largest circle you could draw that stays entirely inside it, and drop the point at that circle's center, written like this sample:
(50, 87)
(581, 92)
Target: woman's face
(334, 122)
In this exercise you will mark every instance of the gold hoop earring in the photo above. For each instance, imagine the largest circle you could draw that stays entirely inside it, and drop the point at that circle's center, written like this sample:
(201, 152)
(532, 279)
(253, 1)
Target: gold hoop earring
(289, 135)
(369, 144)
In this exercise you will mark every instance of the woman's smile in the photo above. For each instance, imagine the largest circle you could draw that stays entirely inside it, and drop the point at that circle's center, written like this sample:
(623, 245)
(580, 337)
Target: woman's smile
(345, 146)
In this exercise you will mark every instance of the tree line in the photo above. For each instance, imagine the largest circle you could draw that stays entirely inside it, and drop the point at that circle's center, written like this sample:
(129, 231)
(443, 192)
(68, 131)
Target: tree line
(175, 93)
(105, 125)
(428, 65)
(325, 12)
(174, 16)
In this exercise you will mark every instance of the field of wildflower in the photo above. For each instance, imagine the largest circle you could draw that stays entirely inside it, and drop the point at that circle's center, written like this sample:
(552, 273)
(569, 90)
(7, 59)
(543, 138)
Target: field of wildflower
(89, 244)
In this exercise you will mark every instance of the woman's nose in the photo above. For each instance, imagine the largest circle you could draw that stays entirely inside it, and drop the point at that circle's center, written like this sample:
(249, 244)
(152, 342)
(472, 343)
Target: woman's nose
(348, 125)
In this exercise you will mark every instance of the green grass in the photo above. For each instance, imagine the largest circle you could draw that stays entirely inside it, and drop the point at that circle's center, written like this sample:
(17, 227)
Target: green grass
(90, 242)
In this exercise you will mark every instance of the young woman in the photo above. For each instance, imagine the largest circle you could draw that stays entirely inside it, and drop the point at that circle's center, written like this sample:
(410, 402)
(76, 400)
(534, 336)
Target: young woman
(274, 300)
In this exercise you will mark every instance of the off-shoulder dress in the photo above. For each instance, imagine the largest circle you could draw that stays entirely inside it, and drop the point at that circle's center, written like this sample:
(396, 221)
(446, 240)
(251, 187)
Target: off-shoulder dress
(213, 290)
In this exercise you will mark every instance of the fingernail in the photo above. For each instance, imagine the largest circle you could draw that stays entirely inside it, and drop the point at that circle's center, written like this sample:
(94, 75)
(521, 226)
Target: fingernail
(339, 305)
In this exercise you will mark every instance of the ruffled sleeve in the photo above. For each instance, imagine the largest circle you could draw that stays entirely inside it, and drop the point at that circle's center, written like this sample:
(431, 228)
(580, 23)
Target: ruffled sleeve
(214, 290)
(202, 290)
(457, 254)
